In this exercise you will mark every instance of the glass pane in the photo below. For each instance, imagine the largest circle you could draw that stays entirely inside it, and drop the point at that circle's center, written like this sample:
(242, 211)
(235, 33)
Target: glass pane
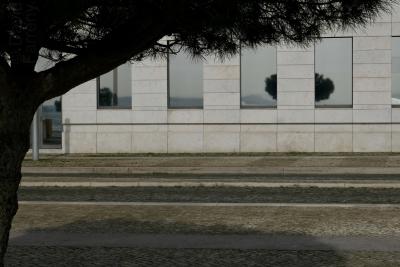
(124, 92)
(106, 90)
(396, 71)
(185, 81)
(51, 119)
(258, 77)
(334, 72)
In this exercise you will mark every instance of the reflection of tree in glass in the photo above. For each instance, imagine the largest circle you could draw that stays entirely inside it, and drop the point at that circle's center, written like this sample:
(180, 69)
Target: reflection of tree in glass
(271, 86)
(107, 98)
(324, 87)
(57, 105)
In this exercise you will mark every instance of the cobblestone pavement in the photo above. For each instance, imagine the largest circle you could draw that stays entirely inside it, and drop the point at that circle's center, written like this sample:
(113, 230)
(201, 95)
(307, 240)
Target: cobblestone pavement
(128, 257)
(221, 160)
(123, 221)
(240, 164)
(309, 221)
(214, 194)
(198, 241)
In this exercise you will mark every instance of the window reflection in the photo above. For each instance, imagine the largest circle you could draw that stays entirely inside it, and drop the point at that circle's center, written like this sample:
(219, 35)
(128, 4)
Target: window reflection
(324, 87)
(107, 97)
(124, 86)
(51, 121)
(258, 77)
(185, 81)
(271, 86)
(115, 88)
(334, 72)
(396, 71)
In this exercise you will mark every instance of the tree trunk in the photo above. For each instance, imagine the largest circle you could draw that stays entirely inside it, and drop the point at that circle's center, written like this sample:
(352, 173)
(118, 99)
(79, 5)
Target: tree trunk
(8, 208)
(15, 120)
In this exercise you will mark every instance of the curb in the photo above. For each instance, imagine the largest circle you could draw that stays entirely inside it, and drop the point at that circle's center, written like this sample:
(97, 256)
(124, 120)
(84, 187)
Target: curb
(211, 184)
(205, 204)
(279, 171)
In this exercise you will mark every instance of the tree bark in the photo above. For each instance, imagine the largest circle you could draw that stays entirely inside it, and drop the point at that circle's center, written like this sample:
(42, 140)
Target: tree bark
(15, 120)
(8, 209)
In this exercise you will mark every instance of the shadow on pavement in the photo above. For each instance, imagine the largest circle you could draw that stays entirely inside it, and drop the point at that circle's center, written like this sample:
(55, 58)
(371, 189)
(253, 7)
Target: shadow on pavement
(110, 242)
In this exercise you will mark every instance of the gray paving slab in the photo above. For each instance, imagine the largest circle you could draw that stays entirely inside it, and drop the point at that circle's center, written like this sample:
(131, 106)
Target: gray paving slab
(178, 241)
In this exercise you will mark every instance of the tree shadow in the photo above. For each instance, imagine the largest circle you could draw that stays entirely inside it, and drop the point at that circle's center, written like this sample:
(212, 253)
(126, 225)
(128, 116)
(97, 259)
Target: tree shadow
(122, 242)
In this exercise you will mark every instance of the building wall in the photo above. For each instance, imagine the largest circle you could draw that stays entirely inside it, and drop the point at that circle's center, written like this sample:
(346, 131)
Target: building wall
(371, 125)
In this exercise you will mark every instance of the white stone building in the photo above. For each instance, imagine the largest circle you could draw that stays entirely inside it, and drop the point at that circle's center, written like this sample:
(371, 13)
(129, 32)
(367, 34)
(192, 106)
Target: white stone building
(182, 105)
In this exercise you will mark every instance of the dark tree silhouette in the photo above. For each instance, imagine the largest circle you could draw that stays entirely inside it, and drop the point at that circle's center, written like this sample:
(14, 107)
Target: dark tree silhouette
(88, 38)
(324, 87)
(107, 98)
(271, 86)
(58, 105)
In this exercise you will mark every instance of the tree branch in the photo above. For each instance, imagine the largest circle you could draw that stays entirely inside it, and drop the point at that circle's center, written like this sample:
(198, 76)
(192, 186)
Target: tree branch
(119, 48)
(60, 12)
(63, 48)
(4, 70)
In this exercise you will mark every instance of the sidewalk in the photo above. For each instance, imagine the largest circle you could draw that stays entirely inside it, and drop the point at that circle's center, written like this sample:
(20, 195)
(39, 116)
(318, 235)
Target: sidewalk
(243, 242)
(272, 170)
(211, 170)
(279, 164)
(86, 182)
(208, 204)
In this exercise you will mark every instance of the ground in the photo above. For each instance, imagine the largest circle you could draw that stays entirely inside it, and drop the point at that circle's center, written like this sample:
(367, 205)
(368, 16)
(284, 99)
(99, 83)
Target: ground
(343, 220)
(210, 220)
(116, 220)
(214, 194)
(51, 256)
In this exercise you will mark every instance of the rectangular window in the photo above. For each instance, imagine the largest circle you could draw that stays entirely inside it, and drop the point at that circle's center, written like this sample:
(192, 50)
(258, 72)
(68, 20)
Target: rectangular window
(51, 123)
(258, 80)
(185, 81)
(396, 71)
(115, 88)
(334, 72)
